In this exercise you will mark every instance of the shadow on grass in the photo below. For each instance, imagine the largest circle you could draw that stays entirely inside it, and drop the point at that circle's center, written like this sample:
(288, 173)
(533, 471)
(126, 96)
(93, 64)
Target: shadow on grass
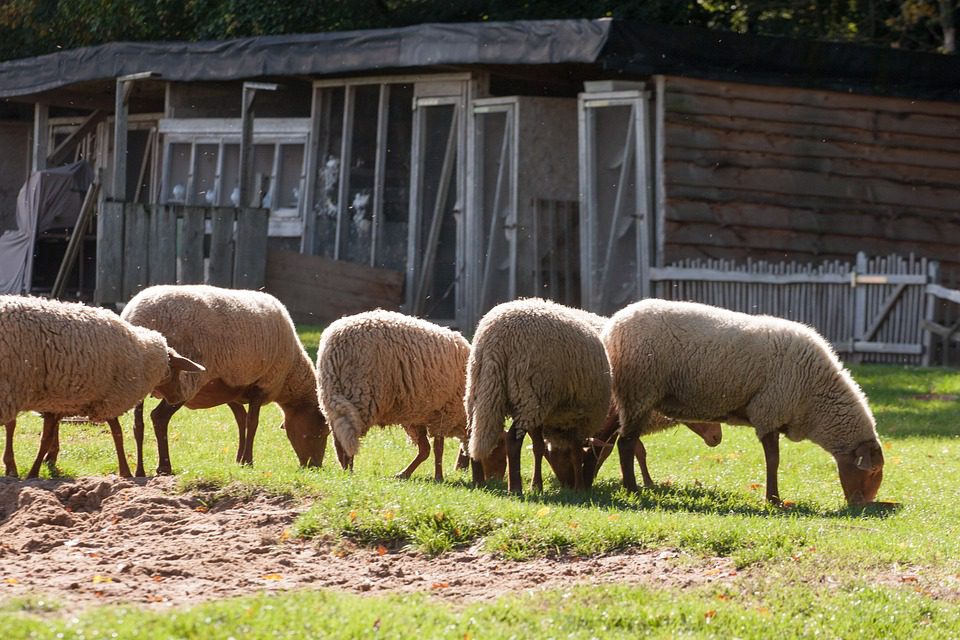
(609, 494)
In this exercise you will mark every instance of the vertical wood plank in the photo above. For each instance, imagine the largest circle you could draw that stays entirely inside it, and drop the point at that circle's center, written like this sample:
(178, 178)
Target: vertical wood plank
(220, 267)
(109, 254)
(250, 262)
(190, 259)
(163, 244)
(136, 243)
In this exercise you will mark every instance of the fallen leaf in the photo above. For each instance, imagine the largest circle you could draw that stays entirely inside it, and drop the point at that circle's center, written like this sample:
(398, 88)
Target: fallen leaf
(353, 516)
(613, 517)
(155, 598)
(896, 460)
(723, 596)
(201, 509)
(542, 511)
(754, 486)
(788, 504)
(438, 516)
(388, 516)
(440, 585)
(98, 579)
(381, 550)
(709, 615)
(284, 536)
(273, 576)
(11, 581)
(573, 525)
(887, 445)
(157, 578)
(908, 578)
(763, 611)
(376, 624)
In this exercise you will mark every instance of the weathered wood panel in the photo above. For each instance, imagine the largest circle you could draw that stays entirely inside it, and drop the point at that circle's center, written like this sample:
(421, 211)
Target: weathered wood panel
(320, 290)
(136, 246)
(249, 267)
(163, 245)
(109, 287)
(191, 245)
(749, 170)
(220, 265)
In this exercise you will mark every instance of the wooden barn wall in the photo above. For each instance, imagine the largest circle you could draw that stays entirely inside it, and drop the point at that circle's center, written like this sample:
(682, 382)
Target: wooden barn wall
(790, 174)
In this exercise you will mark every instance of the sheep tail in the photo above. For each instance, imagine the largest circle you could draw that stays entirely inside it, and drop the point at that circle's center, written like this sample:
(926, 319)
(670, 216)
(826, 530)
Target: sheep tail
(486, 403)
(346, 424)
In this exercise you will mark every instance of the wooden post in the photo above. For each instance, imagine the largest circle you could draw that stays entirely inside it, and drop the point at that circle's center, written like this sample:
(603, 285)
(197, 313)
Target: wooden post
(41, 119)
(933, 268)
(246, 135)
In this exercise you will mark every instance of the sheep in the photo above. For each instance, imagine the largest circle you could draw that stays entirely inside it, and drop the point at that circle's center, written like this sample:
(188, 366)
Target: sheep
(544, 364)
(249, 345)
(699, 362)
(70, 359)
(382, 367)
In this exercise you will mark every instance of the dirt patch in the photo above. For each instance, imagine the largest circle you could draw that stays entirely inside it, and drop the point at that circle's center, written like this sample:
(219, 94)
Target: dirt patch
(110, 540)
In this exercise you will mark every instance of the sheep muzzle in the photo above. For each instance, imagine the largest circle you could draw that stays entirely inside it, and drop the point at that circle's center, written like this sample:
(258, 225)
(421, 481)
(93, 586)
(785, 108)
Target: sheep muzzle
(861, 472)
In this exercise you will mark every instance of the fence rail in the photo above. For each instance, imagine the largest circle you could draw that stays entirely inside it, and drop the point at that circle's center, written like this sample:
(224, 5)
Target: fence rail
(140, 245)
(871, 310)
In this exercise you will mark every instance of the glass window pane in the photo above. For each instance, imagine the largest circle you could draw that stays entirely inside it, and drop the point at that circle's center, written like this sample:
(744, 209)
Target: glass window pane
(363, 156)
(328, 169)
(287, 194)
(263, 172)
(392, 235)
(179, 163)
(204, 175)
(230, 176)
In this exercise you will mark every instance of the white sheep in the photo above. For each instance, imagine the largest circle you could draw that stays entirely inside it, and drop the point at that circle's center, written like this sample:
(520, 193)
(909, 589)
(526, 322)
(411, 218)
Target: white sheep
(697, 362)
(63, 358)
(543, 364)
(383, 367)
(249, 346)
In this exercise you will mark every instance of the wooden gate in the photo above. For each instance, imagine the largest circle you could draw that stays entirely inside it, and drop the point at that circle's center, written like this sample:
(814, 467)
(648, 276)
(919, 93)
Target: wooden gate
(140, 245)
(872, 310)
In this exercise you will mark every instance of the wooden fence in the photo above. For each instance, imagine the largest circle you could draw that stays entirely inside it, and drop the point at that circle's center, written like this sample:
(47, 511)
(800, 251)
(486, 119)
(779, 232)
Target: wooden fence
(140, 245)
(873, 310)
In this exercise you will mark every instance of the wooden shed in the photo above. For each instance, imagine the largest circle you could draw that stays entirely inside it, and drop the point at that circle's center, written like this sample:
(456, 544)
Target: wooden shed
(443, 168)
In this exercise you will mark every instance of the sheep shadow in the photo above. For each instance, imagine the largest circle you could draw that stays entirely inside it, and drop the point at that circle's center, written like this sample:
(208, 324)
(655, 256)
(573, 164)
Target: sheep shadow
(680, 498)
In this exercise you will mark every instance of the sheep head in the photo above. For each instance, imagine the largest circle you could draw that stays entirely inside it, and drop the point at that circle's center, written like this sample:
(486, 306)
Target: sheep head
(307, 431)
(861, 472)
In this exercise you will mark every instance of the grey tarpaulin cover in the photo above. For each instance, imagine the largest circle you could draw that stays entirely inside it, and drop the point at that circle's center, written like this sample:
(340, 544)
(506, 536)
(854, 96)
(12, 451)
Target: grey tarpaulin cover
(612, 46)
(48, 200)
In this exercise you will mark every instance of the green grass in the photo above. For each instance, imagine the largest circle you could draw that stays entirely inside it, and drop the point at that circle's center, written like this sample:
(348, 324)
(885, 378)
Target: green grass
(852, 611)
(709, 502)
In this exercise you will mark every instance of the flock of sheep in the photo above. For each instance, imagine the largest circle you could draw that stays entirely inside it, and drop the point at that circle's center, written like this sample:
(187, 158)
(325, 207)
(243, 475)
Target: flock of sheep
(578, 383)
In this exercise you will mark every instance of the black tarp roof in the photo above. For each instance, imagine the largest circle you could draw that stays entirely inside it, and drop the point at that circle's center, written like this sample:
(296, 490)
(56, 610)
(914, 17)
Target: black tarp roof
(615, 48)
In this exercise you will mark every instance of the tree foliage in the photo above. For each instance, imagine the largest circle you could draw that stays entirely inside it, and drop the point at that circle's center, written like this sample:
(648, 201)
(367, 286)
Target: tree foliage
(34, 27)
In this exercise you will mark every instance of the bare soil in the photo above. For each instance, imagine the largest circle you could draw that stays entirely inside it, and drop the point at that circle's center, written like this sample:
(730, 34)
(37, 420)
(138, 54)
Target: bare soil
(101, 540)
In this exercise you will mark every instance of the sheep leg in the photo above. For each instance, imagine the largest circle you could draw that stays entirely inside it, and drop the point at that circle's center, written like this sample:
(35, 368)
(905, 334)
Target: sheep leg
(252, 422)
(117, 434)
(423, 452)
(463, 459)
(576, 459)
(438, 459)
(138, 428)
(8, 458)
(240, 415)
(54, 451)
(514, 446)
(641, 454)
(771, 453)
(626, 448)
(539, 450)
(50, 421)
(160, 416)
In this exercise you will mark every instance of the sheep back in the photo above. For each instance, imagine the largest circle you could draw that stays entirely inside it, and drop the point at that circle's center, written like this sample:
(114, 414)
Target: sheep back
(71, 359)
(697, 362)
(243, 338)
(382, 367)
(544, 364)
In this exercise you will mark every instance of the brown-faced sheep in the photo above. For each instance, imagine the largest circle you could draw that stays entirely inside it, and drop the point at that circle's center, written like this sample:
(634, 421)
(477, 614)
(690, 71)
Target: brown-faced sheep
(252, 355)
(382, 368)
(698, 362)
(64, 359)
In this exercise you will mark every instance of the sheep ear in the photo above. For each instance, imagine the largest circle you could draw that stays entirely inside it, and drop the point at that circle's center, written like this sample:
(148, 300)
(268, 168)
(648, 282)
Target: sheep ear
(863, 457)
(180, 363)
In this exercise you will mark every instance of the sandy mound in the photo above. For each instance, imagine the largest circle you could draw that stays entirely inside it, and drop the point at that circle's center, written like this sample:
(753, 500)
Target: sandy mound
(98, 540)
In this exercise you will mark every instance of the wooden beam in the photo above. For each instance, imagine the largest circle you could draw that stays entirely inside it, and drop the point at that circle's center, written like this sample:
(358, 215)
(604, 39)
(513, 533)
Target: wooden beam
(246, 135)
(41, 120)
(76, 240)
(59, 155)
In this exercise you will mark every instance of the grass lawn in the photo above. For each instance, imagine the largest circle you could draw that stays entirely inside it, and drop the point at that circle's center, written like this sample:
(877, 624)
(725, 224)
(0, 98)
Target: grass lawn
(816, 568)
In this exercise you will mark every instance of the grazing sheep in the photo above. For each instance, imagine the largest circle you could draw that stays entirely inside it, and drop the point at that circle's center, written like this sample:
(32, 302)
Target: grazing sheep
(249, 346)
(382, 368)
(543, 364)
(64, 358)
(698, 362)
